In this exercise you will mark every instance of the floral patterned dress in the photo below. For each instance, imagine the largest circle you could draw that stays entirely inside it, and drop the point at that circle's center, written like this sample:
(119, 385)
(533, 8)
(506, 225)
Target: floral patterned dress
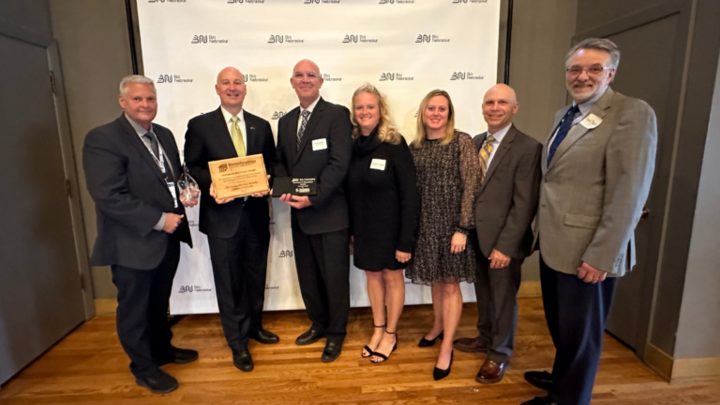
(447, 179)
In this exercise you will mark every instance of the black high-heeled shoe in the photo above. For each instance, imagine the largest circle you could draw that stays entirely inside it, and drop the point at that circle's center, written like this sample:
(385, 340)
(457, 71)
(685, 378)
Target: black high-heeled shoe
(427, 343)
(367, 348)
(382, 356)
(439, 374)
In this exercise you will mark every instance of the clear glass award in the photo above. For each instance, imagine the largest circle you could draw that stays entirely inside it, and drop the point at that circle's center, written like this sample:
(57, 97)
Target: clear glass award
(189, 189)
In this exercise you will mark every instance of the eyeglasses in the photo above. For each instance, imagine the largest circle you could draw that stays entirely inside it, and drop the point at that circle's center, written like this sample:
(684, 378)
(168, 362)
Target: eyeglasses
(594, 70)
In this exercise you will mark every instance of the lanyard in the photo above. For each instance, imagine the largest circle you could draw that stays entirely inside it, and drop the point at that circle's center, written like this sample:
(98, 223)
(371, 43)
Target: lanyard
(159, 160)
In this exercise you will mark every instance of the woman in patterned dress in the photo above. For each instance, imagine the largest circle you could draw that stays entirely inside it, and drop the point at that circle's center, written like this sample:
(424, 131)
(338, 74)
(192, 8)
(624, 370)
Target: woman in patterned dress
(447, 174)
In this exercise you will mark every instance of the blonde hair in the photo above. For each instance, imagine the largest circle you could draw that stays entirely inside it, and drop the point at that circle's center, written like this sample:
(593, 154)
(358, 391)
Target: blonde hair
(386, 130)
(421, 134)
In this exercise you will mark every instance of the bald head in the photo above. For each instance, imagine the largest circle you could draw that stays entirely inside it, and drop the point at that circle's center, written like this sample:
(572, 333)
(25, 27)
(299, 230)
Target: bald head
(306, 81)
(499, 107)
(230, 86)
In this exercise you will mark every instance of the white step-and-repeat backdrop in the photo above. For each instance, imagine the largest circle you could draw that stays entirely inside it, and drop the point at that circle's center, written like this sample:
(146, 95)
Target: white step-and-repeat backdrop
(404, 47)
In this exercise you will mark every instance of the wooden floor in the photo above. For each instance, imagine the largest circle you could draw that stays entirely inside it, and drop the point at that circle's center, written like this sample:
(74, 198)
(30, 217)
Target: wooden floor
(89, 367)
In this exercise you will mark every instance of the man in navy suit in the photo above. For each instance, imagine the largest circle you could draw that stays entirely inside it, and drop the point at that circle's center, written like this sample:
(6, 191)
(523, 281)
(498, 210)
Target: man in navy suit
(238, 229)
(131, 168)
(314, 140)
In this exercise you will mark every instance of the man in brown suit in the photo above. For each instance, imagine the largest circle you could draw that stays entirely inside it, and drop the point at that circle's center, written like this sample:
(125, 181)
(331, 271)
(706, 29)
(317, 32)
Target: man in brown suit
(504, 210)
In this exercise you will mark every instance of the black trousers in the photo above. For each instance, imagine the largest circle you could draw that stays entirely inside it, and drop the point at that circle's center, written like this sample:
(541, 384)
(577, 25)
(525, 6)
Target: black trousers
(240, 268)
(323, 267)
(496, 292)
(576, 314)
(143, 300)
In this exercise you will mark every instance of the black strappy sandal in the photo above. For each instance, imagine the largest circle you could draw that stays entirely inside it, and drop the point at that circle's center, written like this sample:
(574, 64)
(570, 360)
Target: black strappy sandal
(382, 356)
(366, 348)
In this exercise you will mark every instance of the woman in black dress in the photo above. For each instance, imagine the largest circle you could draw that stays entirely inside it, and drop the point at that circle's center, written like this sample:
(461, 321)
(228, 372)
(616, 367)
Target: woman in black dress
(447, 172)
(383, 205)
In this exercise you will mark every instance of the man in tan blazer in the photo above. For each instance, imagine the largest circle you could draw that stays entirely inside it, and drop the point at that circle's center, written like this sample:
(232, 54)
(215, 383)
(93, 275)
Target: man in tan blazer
(598, 164)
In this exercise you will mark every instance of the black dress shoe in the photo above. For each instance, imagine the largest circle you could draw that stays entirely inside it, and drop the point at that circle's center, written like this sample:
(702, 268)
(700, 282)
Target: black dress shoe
(243, 360)
(309, 337)
(159, 383)
(540, 379)
(333, 348)
(439, 374)
(180, 356)
(265, 337)
(540, 401)
(427, 343)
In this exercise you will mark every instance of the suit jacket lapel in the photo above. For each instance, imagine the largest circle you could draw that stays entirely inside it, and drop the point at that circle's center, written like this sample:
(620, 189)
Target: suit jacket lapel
(250, 136)
(221, 133)
(499, 154)
(579, 130)
(558, 116)
(289, 143)
(479, 141)
(315, 117)
(169, 146)
(140, 147)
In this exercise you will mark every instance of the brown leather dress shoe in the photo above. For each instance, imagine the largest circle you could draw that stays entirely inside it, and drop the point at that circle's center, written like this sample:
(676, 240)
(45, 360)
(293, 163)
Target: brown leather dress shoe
(491, 372)
(469, 345)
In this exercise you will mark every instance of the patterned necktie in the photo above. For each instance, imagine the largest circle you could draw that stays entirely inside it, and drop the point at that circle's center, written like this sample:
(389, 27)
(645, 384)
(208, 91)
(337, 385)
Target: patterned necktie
(305, 115)
(564, 128)
(485, 154)
(237, 138)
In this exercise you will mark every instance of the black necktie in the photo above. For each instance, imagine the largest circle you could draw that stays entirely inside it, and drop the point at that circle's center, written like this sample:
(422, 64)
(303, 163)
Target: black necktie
(152, 142)
(564, 128)
(303, 124)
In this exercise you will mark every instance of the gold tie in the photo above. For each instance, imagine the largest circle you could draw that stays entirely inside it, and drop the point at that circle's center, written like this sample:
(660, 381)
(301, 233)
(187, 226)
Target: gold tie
(237, 138)
(485, 153)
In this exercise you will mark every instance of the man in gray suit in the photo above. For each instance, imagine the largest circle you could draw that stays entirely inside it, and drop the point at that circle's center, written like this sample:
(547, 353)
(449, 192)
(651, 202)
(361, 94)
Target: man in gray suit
(504, 209)
(597, 165)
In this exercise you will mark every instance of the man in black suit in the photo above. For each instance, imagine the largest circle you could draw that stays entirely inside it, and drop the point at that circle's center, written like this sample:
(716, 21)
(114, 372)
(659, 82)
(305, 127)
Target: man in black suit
(131, 167)
(504, 210)
(314, 140)
(238, 229)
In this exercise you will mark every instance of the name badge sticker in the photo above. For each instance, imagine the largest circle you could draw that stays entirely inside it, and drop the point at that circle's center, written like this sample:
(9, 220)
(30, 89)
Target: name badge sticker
(319, 144)
(171, 187)
(591, 121)
(378, 164)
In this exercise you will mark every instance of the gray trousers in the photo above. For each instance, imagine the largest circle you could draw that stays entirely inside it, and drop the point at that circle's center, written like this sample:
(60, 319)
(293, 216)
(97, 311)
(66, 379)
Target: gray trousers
(496, 292)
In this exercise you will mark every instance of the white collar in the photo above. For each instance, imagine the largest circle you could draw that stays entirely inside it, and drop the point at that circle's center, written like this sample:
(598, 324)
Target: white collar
(311, 107)
(228, 116)
(586, 106)
(499, 135)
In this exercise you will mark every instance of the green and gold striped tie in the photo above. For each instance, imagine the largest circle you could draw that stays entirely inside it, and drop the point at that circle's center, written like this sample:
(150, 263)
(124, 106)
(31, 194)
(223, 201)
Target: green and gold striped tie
(485, 153)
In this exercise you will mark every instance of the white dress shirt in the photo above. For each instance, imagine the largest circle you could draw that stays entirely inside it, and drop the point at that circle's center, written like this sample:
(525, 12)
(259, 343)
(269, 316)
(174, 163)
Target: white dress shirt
(584, 111)
(499, 135)
(241, 123)
(310, 108)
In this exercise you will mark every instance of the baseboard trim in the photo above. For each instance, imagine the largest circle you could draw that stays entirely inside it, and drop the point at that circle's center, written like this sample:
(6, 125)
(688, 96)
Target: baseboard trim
(698, 367)
(530, 289)
(659, 361)
(105, 306)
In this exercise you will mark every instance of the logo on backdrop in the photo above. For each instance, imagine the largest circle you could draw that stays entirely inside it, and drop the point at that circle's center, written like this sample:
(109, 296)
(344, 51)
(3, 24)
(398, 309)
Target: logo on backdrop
(254, 78)
(465, 76)
(396, 1)
(330, 78)
(384, 77)
(207, 39)
(244, 1)
(321, 1)
(280, 39)
(354, 39)
(172, 79)
(468, 1)
(286, 253)
(426, 39)
(169, 1)
(278, 114)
